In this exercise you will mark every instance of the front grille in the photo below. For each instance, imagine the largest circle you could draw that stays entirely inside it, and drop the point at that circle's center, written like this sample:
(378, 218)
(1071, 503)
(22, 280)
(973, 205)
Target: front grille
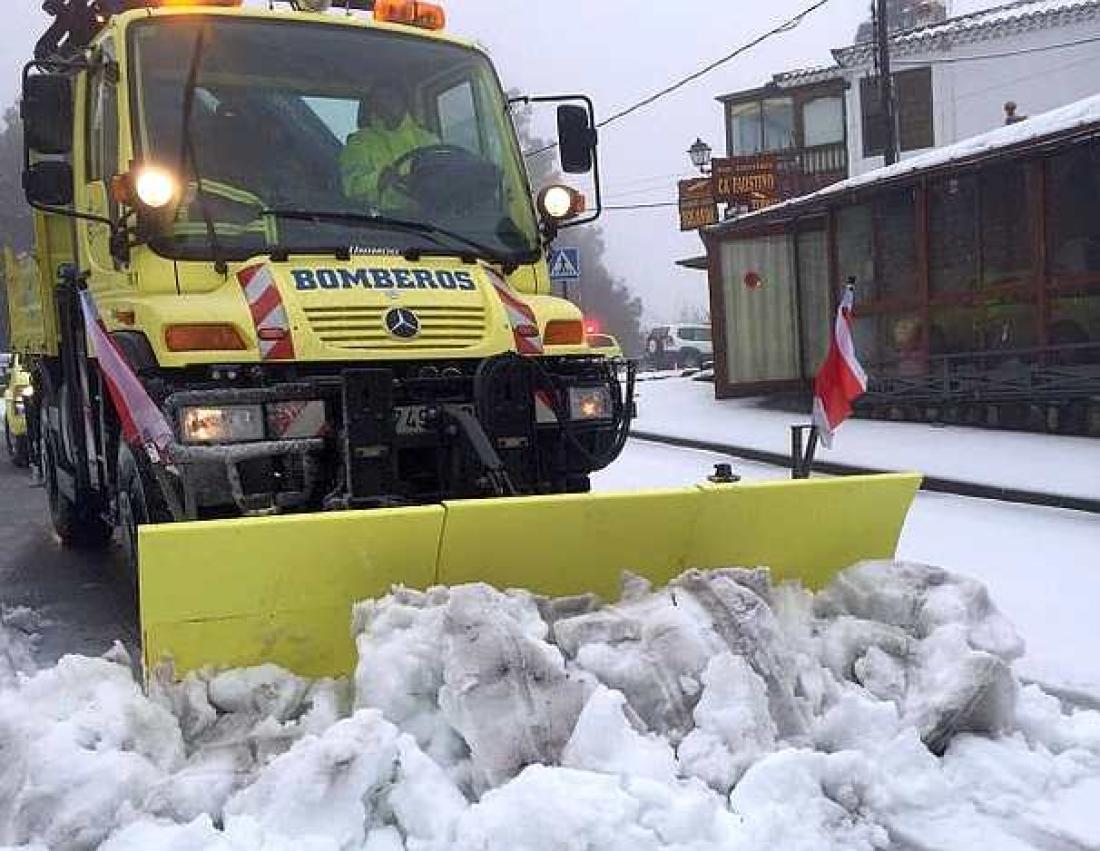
(442, 327)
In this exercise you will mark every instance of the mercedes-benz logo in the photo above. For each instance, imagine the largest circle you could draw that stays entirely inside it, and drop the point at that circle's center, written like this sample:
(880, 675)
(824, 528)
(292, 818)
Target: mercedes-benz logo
(402, 322)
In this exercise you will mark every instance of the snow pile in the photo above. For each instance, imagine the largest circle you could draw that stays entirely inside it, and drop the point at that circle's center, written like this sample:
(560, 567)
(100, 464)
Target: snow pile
(719, 712)
(17, 636)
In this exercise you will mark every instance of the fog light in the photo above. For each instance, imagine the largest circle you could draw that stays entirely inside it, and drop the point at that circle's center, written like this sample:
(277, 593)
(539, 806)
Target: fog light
(230, 424)
(589, 403)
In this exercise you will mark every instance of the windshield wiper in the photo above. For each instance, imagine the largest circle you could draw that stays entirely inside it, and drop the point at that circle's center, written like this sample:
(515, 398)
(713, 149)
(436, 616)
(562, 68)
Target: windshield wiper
(436, 233)
(187, 149)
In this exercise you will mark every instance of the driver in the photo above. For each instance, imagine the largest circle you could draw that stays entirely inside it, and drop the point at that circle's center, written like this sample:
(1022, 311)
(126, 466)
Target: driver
(387, 132)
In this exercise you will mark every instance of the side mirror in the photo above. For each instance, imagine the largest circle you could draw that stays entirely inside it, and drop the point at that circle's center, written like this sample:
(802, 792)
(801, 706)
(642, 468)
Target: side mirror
(49, 182)
(577, 139)
(47, 113)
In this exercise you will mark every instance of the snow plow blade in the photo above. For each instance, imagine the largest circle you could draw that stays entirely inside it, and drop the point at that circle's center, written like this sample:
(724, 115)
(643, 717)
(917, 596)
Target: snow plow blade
(249, 591)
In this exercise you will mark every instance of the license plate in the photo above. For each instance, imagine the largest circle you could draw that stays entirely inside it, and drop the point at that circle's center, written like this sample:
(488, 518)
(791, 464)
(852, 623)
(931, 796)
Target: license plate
(413, 419)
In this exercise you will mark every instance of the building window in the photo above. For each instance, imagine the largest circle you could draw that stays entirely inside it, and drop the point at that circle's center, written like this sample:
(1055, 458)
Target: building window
(766, 125)
(746, 128)
(823, 121)
(913, 94)
(891, 343)
(876, 245)
(855, 253)
(895, 245)
(1006, 225)
(1073, 327)
(953, 235)
(1073, 227)
(778, 124)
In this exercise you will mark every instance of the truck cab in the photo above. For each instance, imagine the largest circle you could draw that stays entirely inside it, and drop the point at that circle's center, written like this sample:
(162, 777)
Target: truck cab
(291, 261)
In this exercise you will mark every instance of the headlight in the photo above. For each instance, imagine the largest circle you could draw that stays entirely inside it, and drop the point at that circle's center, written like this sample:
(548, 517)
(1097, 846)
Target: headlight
(27, 392)
(155, 187)
(228, 424)
(589, 403)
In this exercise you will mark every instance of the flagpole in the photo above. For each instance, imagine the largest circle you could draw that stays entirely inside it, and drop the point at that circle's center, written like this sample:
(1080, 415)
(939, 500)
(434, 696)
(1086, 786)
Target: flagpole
(804, 439)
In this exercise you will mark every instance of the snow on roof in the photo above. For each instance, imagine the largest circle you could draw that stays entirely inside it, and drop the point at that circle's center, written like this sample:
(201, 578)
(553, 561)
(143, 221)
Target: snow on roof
(802, 76)
(789, 80)
(1076, 115)
(1011, 18)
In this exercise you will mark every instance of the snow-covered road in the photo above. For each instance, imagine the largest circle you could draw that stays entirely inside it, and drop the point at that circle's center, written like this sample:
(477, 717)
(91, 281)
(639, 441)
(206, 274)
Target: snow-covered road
(1042, 565)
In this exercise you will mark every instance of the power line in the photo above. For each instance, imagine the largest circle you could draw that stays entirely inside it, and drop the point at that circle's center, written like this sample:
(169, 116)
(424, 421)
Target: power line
(662, 188)
(786, 26)
(653, 206)
(662, 179)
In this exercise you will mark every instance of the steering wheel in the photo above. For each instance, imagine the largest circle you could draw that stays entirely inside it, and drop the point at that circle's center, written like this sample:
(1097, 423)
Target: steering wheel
(441, 176)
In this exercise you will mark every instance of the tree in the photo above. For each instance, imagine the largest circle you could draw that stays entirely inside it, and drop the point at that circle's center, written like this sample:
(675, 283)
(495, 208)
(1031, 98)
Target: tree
(16, 227)
(694, 314)
(604, 297)
(15, 215)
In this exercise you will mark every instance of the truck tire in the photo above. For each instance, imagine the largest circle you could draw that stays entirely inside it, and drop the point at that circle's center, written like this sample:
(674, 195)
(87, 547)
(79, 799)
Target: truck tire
(18, 448)
(689, 359)
(77, 528)
(140, 503)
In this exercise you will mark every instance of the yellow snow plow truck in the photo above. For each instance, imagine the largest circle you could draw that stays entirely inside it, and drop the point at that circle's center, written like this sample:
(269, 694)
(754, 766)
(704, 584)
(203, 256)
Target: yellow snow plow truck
(291, 335)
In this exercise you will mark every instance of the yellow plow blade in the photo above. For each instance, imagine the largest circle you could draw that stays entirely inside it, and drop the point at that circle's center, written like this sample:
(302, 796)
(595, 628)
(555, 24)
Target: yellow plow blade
(233, 593)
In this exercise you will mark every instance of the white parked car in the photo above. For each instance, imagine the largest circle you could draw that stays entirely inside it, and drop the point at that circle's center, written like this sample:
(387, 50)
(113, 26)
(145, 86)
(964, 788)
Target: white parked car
(671, 346)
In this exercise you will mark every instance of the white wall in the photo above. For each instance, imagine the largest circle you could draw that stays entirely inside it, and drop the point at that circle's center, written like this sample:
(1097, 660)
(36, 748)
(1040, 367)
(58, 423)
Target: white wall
(1031, 68)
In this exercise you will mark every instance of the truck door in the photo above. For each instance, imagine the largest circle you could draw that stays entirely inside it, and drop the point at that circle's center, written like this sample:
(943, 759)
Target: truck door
(96, 161)
(99, 163)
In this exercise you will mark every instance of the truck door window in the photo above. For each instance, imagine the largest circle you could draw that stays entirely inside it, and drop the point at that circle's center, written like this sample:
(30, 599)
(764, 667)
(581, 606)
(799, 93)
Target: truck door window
(340, 115)
(102, 142)
(458, 121)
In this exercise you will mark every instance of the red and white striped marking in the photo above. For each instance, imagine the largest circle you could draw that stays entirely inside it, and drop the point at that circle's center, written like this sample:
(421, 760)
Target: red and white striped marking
(544, 408)
(268, 312)
(295, 420)
(525, 325)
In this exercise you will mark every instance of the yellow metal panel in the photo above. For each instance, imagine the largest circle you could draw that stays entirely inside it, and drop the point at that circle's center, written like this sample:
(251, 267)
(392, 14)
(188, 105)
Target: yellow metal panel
(572, 544)
(249, 591)
(232, 593)
(807, 530)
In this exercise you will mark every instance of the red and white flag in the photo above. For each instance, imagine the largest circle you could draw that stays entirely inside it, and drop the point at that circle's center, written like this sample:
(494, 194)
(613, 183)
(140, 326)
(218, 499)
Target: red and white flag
(841, 379)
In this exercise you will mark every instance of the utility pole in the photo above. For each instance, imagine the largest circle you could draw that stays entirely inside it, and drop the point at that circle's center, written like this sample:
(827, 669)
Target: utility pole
(886, 82)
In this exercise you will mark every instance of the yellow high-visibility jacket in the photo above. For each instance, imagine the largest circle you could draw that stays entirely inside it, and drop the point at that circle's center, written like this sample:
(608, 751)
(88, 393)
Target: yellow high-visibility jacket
(372, 150)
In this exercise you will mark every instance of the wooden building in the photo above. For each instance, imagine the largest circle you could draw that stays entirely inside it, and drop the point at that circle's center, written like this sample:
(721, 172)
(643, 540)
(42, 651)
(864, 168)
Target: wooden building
(977, 269)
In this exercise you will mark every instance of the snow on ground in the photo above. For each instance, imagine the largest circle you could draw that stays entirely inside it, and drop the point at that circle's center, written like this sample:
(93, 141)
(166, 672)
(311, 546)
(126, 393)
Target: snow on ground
(1054, 464)
(717, 713)
(1041, 564)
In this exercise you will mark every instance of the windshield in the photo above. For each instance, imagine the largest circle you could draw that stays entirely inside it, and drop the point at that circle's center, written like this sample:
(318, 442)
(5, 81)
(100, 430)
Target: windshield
(293, 117)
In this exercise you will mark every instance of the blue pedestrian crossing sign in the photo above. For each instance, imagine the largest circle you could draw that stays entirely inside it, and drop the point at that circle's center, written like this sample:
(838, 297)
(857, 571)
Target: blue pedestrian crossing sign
(565, 264)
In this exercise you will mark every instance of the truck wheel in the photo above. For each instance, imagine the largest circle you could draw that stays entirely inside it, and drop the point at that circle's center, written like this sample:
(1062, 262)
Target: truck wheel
(18, 450)
(76, 528)
(139, 504)
(690, 359)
